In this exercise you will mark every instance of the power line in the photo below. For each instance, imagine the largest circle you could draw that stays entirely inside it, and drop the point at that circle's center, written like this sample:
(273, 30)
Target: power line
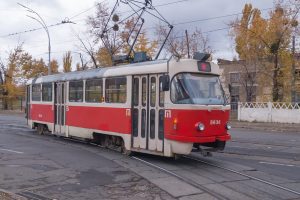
(170, 3)
(35, 29)
(160, 5)
(78, 14)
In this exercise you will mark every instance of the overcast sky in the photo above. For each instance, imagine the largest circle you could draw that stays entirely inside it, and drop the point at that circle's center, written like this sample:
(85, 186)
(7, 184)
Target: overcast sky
(63, 38)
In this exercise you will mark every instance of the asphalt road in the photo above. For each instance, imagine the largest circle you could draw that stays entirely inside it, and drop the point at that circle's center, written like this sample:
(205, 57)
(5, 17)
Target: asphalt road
(275, 153)
(47, 167)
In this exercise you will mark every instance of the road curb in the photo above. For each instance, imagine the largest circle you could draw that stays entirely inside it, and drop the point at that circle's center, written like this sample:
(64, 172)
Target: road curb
(273, 127)
(5, 195)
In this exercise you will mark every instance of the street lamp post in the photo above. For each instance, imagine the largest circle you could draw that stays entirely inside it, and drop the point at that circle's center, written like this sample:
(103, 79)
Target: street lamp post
(40, 20)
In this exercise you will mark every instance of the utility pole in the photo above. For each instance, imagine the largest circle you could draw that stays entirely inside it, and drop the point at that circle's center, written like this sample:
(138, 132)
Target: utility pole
(41, 21)
(293, 91)
(187, 43)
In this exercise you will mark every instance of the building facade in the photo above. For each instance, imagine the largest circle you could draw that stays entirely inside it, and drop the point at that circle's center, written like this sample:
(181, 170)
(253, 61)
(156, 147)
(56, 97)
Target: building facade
(248, 83)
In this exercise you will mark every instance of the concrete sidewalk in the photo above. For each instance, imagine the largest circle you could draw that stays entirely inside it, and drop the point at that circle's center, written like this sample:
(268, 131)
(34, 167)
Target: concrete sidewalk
(5, 195)
(276, 127)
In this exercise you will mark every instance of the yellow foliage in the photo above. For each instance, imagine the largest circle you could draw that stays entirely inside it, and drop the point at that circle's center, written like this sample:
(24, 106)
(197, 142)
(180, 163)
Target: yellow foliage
(143, 45)
(67, 62)
(104, 58)
(265, 43)
(54, 66)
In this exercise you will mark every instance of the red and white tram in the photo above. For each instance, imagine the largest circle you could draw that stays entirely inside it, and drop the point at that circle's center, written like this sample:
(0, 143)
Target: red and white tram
(166, 107)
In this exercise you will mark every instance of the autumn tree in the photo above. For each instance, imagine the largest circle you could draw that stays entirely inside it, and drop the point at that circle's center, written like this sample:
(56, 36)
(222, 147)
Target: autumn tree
(67, 62)
(118, 40)
(34, 68)
(265, 43)
(247, 32)
(144, 45)
(83, 65)
(97, 24)
(178, 44)
(54, 66)
(10, 74)
(104, 58)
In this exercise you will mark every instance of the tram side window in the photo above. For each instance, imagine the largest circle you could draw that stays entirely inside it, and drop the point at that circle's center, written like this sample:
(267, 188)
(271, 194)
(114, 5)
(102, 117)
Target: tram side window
(47, 92)
(76, 91)
(36, 92)
(115, 90)
(93, 90)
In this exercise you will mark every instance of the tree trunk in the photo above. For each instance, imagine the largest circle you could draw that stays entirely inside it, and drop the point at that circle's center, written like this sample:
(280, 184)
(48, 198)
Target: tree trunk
(249, 96)
(4, 103)
(275, 79)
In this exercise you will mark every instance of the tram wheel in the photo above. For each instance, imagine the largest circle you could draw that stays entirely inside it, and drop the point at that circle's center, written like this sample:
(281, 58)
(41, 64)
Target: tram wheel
(107, 142)
(177, 156)
(40, 129)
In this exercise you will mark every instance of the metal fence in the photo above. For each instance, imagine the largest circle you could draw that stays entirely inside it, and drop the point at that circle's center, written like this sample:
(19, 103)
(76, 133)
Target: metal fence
(12, 103)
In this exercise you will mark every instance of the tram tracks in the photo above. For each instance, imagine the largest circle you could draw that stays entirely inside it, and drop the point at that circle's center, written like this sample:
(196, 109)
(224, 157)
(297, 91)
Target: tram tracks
(202, 186)
(184, 179)
(261, 143)
(193, 183)
(245, 175)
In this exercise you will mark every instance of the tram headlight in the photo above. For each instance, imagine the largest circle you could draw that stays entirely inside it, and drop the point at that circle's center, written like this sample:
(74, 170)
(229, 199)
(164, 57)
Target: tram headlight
(228, 126)
(200, 127)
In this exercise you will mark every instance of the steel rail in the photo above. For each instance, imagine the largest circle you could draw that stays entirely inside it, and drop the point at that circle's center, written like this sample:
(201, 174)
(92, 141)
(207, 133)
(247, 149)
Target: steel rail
(245, 175)
(186, 180)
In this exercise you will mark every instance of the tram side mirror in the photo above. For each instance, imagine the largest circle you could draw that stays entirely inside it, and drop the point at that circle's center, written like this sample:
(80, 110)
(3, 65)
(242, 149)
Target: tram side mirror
(165, 83)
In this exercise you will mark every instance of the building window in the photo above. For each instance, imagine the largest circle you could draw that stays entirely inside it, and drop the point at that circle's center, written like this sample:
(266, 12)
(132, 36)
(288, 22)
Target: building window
(115, 90)
(234, 77)
(47, 91)
(76, 91)
(94, 90)
(36, 92)
(234, 97)
(235, 90)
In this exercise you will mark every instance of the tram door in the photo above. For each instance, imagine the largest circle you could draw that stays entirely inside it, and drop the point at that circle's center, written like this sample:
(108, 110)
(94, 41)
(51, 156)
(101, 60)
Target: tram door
(60, 108)
(148, 113)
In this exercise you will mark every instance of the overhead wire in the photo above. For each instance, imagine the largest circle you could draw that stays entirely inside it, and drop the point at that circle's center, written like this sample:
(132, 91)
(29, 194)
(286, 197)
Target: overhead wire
(31, 30)
(82, 12)
(159, 5)
(78, 14)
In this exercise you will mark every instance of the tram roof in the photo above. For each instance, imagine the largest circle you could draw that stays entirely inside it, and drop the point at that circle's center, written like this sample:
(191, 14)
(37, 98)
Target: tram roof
(157, 66)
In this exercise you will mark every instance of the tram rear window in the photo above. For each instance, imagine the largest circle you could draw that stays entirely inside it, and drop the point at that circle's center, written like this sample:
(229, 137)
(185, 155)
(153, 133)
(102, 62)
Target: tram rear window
(76, 91)
(115, 90)
(36, 92)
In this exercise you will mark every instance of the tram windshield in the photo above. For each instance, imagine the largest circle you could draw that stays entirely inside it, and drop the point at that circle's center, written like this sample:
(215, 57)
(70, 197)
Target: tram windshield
(193, 88)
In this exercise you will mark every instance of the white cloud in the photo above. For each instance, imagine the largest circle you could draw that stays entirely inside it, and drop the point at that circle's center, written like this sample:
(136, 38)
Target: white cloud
(13, 19)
